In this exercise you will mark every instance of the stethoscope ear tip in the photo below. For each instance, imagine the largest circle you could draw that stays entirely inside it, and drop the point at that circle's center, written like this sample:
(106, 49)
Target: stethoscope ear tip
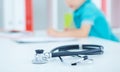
(74, 64)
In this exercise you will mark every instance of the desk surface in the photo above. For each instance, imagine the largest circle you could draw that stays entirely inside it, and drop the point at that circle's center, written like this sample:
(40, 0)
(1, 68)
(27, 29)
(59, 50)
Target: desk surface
(15, 57)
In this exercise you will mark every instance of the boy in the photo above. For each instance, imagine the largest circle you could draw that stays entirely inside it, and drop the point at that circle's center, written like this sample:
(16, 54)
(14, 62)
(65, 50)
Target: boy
(89, 21)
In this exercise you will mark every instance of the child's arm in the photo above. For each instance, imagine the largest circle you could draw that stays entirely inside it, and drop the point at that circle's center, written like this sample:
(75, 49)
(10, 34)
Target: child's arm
(69, 29)
(82, 32)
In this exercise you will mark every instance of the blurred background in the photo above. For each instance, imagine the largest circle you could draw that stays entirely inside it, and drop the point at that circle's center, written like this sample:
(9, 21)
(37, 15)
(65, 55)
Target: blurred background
(45, 13)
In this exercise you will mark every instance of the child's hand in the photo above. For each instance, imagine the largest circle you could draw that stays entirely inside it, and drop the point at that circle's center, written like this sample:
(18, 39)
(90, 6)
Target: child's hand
(52, 32)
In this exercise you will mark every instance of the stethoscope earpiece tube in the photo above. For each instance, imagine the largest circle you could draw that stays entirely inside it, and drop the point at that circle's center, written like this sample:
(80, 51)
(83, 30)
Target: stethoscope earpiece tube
(86, 50)
(65, 48)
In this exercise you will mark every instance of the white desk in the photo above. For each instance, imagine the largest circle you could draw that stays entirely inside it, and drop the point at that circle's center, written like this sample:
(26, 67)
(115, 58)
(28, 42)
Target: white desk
(16, 57)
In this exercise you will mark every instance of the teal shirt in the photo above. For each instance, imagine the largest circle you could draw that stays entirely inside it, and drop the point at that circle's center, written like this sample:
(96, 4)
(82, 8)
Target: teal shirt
(88, 13)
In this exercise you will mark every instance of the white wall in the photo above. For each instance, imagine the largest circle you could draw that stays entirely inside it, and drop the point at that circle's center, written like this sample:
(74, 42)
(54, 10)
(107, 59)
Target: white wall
(54, 12)
(115, 18)
(1, 13)
(109, 12)
(40, 14)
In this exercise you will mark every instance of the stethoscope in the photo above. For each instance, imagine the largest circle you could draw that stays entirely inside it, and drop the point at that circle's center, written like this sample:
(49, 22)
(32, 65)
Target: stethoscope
(69, 50)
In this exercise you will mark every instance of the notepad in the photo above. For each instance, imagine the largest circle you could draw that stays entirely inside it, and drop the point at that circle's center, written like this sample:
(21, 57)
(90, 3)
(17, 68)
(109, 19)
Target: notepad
(43, 39)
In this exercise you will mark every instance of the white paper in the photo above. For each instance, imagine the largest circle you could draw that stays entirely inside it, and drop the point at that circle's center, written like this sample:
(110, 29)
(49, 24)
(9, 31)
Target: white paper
(42, 39)
(15, 35)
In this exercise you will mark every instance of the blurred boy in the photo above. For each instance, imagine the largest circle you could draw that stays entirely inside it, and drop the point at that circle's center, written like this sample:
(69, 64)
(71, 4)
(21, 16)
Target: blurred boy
(89, 21)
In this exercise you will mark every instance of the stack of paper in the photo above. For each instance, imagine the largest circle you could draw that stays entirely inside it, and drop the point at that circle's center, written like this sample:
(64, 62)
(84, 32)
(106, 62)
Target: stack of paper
(42, 39)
